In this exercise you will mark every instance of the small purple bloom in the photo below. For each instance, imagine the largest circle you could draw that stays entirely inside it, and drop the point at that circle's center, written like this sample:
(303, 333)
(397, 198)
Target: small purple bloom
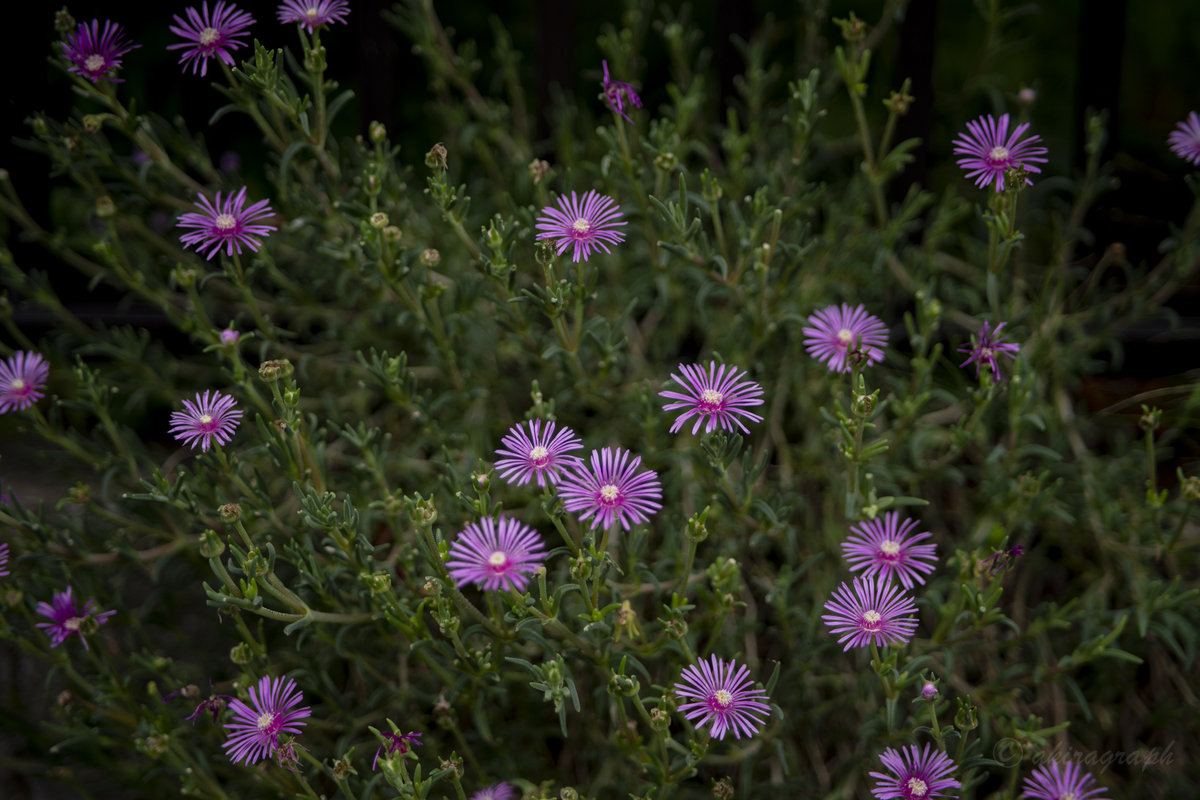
(1068, 783)
(1002, 559)
(929, 691)
(618, 94)
(610, 492)
(1185, 142)
(229, 337)
(875, 612)
(228, 223)
(209, 36)
(885, 547)
(836, 332)
(4, 560)
(723, 696)
(588, 225)
(718, 395)
(916, 774)
(497, 791)
(256, 730)
(989, 345)
(67, 620)
(21, 378)
(991, 151)
(95, 54)
(496, 556)
(395, 743)
(313, 13)
(539, 452)
(212, 416)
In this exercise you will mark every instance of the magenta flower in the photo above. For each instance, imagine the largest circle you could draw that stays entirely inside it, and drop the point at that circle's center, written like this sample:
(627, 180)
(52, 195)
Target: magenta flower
(1068, 783)
(227, 223)
(209, 36)
(836, 332)
(1185, 142)
(985, 350)
(875, 612)
(885, 547)
(497, 791)
(722, 694)
(617, 94)
(718, 395)
(213, 705)
(212, 416)
(256, 730)
(95, 54)
(929, 691)
(990, 154)
(496, 556)
(395, 743)
(229, 337)
(916, 774)
(313, 13)
(610, 492)
(21, 378)
(540, 453)
(588, 225)
(67, 620)
(4, 560)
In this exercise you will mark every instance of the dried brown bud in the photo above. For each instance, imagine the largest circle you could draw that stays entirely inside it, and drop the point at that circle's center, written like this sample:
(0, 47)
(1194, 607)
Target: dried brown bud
(436, 157)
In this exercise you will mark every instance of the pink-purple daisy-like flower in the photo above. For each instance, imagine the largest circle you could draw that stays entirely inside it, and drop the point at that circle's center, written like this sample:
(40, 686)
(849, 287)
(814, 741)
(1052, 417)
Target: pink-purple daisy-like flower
(720, 395)
(228, 223)
(22, 377)
(497, 791)
(256, 727)
(1185, 142)
(990, 151)
(4, 560)
(540, 452)
(835, 333)
(212, 416)
(618, 93)
(94, 53)
(885, 547)
(210, 35)
(395, 743)
(589, 225)
(721, 693)
(987, 347)
(496, 555)
(67, 620)
(916, 774)
(312, 13)
(875, 612)
(612, 491)
(1066, 783)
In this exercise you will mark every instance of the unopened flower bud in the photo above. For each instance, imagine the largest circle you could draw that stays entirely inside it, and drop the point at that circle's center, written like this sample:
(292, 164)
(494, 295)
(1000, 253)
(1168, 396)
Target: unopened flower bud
(229, 337)
(155, 745)
(1191, 489)
(965, 719)
(230, 513)
(92, 123)
(211, 545)
(581, 568)
(1151, 417)
(274, 370)
(431, 257)
(80, 494)
(241, 653)
(623, 686)
(391, 234)
(677, 629)
(379, 220)
(184, 277)
(105, 207)
(666, 161)
(378, 582)
(1026, 96)
(436, 157)
(660, 720)
(63, 21)
(455, 766)
(929, 691)
(539, 169)
(377, 131)
(482, 482)
(65, 698)
(568, 793)
(342, 768)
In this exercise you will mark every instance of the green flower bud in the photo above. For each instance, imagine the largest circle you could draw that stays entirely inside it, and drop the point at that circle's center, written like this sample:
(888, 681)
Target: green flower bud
(379, 220)
(436, 157)
(274, 370)
(230, 513)
(241, 653)
(377, 131)
(105, 207)
(660, 720)
(666, 161)
(211, 545)
(623, 686)
(722, 789)
(63, 21)
(568, 793)
(431, 257)
(391, 234)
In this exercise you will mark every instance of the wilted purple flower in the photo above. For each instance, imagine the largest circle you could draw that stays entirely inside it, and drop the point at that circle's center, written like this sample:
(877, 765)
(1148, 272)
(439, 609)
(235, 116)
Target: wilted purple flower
(229, 337)
(718, 395)
(209, 36)
(95, 54)
(587, 225)
(256, 730)
(212, 416)
(214, 705)
(395, 743)
(497, 791)
(610, 492)
(1067, 783)
(1185, 142)
(22, 376)
(539, 452)
(227, 223)
(286, 755)
(1001, 559)
(4, 560)
(989, 345)
(495, 556)
(230, 162)
(836, 332)
(67, 620)
(916, 774)
(722, 694)
(618, 94)
(929, 691)
(873, 613)
(990, 154)
(311, 13)
(885, 547)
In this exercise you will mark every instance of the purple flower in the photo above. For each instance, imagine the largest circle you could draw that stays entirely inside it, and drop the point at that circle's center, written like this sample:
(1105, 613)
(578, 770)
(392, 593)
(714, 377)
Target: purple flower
(215, 704)
(209, 36)
(1069, 783)
(538, 452)
(610, 492)
(929, 691)
(496, 556)
(497, 791)
(916, 774)
(718, 395)
(836, 332)
(212, 416)
(67, 620)
(227, 224)
(990, 154)
(873, 613)
(93, 53)
(722, 695)
(886, 549)
(1002, 559)
(256, 730)
(21, 378)
(312, 13)
(1185, 142)
(618, 94)
(984, 351)
(4, 560)
(588, 225)
(395, 743)
(229, 337)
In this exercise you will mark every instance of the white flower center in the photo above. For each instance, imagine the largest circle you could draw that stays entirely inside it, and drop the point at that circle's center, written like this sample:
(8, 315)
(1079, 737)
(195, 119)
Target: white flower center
(581, 226)
(722, 699)
(225, 222)
(999, 155)
(917, 787)
(73, 623)
(266, 721)
(94, 63)
(312, 14)
(539, 455)
(711, 398)
(17, 384)
(206, 419)
(498, 559)
(871, 619)
(208, 36)
(609, 493)
(845, 337)
(889, 548)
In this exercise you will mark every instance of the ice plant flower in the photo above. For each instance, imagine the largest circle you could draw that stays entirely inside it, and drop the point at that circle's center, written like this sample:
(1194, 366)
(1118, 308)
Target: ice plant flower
(876, 612)
(395, 743)
(719, 395)
(835, 332)
(256, 727)
(96, 54)
(4, 560)
(22, 377)
(210, 35)
(721, 693)
(612, 491)
(916, 774)
(496, 555)
(212, 416)
(67, 620)
(229, 337)
(1068, 783)
(990, 151)
(989, 345)
(886, 548)
(589, 225)
(215, 704)
(228, 223)
(539, 452)
(1185, 142)
(313, 13)
(617, 94)
(497, 791)
(929, 691)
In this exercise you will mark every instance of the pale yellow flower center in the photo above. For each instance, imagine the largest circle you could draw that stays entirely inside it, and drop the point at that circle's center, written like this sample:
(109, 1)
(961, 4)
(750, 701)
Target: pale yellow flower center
(609, 493)
(311, 14)
(711, 398)
(722, 698)
(917, 787)
(889, 548)
(497, 559)
(539, 455)
(845, 337)
(94, 63)
(208, 36)
(266, 721)
(872, 618)
(206, 419)
(581, 226)
(225, 222)
(17, 384)
(73, 623)
(998, 154)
